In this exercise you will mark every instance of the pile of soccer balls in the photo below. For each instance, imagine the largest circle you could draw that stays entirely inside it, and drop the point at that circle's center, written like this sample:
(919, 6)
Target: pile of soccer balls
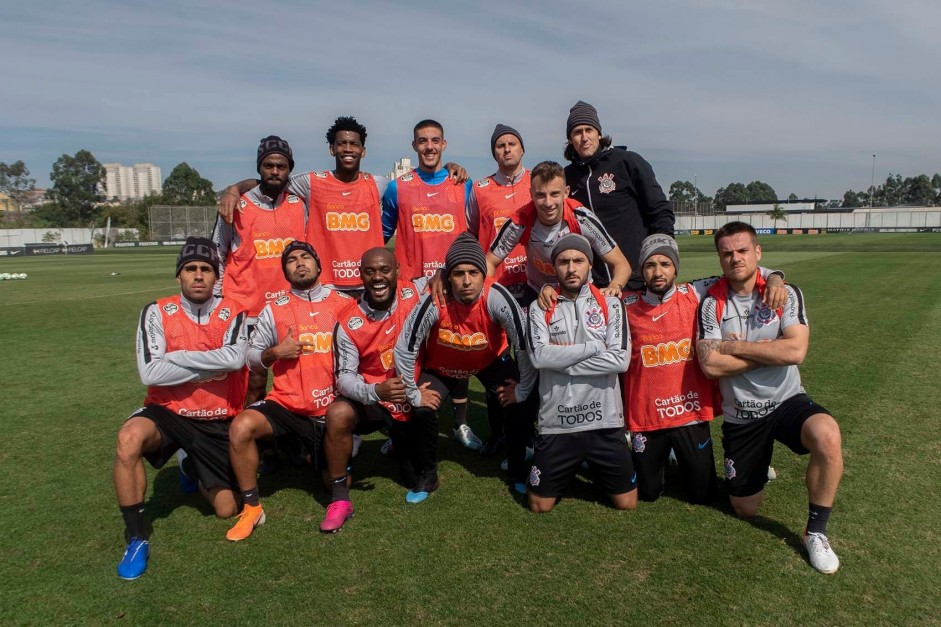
(7, 276)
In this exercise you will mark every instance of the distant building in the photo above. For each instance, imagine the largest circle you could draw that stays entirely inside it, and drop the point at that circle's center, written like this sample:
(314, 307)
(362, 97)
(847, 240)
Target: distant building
(401, 166)
(125, 182)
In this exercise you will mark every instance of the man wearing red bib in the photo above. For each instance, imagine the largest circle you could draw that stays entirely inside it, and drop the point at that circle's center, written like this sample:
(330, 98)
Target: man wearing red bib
(495, 199)
(294, 337)
(466, 337)
(371, 394)
(426, 210)
(190, 354)
(668, 400)
(268, 218)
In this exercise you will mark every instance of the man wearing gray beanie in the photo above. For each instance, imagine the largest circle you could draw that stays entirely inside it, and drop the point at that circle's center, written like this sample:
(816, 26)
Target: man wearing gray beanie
(468, 335)
(580, 347)
(668, 400)
(618, 185)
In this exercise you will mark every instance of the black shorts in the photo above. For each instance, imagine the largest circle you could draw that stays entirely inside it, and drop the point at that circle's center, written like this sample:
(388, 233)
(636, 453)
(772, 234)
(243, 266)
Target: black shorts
(693, 447)
(206, 443)
(559, 455)
(748, 446)
(369, 418)
(307, 430)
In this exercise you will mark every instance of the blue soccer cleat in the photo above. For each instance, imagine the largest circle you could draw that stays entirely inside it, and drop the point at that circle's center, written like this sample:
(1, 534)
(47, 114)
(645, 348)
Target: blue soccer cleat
(134, 562)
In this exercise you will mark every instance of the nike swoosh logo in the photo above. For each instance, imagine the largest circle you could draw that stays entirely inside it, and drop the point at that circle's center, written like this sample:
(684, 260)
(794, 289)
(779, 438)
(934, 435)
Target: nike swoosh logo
(655, 318)
(730, 318)
(389, 330)
(704, 444)
(314, 313)
(430, 194)
(346, 193)
(510, 195)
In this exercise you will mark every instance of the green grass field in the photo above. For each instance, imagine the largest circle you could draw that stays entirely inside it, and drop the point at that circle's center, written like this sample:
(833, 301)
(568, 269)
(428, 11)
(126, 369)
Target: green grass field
(472, 553)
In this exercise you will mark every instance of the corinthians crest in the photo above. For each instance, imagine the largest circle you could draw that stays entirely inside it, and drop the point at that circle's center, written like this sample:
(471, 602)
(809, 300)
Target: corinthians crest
(606, 183)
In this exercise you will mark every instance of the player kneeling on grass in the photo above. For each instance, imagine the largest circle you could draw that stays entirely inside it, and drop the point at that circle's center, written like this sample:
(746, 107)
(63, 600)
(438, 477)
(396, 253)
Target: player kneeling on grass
(754, 351)
(191, 355)
(371, 394)
(579, 347)
(466, 336)
(293, 337)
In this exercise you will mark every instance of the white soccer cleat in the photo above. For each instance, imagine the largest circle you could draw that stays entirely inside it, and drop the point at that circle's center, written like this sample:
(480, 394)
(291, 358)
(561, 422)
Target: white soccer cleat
(771, 474)
(820, 554)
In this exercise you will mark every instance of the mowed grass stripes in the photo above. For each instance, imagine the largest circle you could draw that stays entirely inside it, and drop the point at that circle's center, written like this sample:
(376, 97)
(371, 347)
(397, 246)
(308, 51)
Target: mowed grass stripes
(472, 553)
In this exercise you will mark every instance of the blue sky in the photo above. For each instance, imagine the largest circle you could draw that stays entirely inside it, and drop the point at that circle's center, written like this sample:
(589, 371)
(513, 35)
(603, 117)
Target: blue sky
(797, 94)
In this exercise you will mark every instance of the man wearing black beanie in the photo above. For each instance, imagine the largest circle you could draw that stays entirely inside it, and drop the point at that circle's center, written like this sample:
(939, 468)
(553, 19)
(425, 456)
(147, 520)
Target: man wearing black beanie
(250, 246)
(619, 186)
(468, 336)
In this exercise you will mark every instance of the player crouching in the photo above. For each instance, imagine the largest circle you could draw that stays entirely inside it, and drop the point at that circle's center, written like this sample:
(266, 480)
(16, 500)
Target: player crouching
(190, 354)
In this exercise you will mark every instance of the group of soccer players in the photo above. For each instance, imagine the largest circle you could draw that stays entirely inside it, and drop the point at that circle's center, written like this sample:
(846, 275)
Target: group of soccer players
(555, 287)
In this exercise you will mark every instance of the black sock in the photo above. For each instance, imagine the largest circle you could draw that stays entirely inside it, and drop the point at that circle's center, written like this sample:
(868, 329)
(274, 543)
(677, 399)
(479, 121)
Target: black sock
(817, 517)
(338, 489)
(250, 496)
(460, 411)
(135, 523)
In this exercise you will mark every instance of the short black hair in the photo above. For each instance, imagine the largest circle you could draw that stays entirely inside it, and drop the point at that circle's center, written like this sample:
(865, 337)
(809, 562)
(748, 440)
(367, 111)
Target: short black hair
(346, 123)
(426, 124)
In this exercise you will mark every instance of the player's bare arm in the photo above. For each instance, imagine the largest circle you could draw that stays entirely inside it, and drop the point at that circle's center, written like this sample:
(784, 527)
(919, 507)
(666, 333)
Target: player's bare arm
(788, 350)
(775, 296)
(429, 397)
(391, 390)
(229, 199)
(716, 365)
(620, 271)
(288, 348)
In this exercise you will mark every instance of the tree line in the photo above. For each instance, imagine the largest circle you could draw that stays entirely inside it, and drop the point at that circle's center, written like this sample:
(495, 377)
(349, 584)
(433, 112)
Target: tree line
(77, 195)
(917, 191)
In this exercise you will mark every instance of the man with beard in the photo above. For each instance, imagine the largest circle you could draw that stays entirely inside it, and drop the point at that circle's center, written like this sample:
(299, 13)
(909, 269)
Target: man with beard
(443, 345)
(579, 346)
(668, 400)
(191, 355)
(268, 218)
(754, 351)
(618, 185)
(371, 394)
(294, 337)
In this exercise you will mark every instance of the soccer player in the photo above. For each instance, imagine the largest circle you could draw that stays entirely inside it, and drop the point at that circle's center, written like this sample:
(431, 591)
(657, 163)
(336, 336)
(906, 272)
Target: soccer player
(191, 356)
(579, 347)
(492, 201)
(540, 224)
(426, 210)
(294, 338)
(496, 199)
(754, 351)
(267, 219)
(370, 393)
(619, 186)
(443, 346)
(668, 400)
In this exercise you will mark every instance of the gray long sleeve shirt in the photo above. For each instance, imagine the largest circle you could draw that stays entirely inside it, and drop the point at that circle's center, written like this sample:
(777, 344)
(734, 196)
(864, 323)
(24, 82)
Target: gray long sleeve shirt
(156, 366)
(579, 356)
(502, 309)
